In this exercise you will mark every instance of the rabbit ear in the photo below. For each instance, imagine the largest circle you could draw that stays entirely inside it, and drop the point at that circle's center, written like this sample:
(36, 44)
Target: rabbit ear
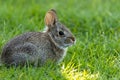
(50, 17)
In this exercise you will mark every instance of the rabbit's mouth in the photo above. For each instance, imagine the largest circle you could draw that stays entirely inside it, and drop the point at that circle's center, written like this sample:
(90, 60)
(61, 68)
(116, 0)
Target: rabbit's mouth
(69, 41)
(67, 45)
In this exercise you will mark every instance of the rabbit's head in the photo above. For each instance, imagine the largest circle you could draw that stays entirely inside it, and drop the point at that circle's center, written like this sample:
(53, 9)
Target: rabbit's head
(59, 34)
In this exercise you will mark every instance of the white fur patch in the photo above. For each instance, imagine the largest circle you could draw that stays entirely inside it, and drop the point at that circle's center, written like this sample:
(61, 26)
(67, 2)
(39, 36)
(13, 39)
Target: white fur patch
(45, 29)
(64, 54)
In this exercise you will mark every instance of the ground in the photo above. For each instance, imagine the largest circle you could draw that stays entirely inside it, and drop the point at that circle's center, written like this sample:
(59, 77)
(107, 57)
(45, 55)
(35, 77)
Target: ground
(95, 24)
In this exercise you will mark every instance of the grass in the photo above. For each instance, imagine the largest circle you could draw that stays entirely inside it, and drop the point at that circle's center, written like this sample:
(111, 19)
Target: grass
(95, 23)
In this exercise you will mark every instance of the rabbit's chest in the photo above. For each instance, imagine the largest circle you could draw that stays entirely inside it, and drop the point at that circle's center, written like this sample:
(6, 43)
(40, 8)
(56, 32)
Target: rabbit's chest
(46, 54)
(60, 55)
(48, 51)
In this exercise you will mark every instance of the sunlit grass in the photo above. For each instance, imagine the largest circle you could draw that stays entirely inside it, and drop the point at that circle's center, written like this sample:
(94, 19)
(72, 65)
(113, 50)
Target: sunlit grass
(70, 72)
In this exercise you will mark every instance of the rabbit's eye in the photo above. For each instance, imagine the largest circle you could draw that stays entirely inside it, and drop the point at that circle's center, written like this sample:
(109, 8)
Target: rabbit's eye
(61, 33)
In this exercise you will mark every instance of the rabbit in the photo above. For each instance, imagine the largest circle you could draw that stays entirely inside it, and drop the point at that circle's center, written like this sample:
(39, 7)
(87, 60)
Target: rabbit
(36, 48)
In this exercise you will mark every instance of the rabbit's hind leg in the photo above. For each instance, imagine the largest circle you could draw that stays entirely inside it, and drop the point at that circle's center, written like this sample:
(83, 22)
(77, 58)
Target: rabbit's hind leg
(24, 55)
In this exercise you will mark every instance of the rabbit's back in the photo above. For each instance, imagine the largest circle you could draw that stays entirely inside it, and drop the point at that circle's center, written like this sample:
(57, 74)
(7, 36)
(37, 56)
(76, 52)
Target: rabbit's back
(30, 37)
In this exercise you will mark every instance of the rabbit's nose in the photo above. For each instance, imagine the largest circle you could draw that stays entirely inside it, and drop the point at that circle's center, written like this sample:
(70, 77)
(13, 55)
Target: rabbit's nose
(73, 38)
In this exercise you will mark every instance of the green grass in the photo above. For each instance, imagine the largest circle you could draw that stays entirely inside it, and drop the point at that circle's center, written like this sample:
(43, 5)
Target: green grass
(95, 23)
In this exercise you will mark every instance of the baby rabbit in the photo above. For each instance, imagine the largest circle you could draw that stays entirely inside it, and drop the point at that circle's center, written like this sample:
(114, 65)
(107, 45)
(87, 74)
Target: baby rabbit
(36, 48)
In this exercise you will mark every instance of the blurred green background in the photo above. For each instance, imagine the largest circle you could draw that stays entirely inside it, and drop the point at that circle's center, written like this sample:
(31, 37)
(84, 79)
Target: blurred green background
(95, 23)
